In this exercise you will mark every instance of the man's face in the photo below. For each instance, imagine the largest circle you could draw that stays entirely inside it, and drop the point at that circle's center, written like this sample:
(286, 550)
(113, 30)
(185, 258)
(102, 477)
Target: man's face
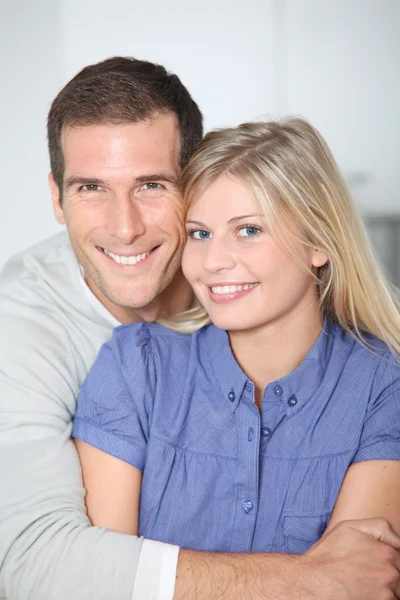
(122, 208)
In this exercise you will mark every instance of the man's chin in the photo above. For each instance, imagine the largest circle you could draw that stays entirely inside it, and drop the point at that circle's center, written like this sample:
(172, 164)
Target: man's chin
(137, 301)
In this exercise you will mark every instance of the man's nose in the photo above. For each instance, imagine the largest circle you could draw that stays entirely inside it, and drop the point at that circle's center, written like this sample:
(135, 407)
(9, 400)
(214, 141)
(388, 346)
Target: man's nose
(218, 256)
(125, 221)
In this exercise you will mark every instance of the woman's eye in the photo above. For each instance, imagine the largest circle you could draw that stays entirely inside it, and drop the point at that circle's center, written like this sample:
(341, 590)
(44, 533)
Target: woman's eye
(249, 231)
(199, 234)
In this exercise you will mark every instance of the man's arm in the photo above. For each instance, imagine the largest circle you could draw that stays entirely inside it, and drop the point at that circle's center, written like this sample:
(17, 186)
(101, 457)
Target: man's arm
(351, 562)
(47, 548)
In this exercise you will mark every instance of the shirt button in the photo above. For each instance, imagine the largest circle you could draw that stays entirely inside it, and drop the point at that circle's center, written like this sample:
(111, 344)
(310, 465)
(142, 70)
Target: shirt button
(278, 391)
(247, 506)
(250, 434)
(231, 396)
(292, 401)
(265, 431)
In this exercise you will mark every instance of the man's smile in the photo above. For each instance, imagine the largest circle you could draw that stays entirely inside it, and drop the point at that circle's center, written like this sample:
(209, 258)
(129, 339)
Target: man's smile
(127, 259)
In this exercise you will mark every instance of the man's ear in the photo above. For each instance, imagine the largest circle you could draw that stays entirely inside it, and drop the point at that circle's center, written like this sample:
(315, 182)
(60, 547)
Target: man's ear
(56, 200)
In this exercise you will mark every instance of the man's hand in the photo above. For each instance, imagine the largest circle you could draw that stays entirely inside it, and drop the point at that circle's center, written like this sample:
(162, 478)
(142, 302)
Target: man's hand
(356, 560)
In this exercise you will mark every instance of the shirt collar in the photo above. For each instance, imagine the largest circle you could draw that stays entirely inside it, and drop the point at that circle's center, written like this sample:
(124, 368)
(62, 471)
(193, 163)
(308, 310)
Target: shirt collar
(294, 390)
(298, 387)
(94, 302)
(226, 370)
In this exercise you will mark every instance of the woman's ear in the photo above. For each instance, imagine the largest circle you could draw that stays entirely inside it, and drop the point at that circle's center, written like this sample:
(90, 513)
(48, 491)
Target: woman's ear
(319, 258)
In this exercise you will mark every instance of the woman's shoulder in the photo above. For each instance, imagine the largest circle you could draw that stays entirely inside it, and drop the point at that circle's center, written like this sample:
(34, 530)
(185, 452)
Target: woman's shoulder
(362, 343)
(368, 356)
(145, 338)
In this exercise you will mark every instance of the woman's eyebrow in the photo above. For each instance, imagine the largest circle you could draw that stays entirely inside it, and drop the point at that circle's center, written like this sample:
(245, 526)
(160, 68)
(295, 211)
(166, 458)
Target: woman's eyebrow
(232, 220)
(235, 219)
(199, 223)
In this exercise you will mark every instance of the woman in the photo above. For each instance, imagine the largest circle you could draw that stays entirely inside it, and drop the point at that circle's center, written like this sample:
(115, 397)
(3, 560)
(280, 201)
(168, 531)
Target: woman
(282, 417)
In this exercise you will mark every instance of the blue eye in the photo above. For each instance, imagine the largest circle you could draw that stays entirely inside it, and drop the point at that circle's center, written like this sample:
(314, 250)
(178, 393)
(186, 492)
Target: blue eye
(199, 234)
(249, 231)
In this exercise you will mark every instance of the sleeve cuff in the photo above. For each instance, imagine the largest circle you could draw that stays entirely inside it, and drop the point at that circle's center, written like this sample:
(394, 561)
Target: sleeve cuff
(382, 450)
(156, 571)
(109, 443)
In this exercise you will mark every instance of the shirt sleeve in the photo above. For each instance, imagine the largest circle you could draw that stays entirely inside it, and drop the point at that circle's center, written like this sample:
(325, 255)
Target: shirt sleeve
(115, 402)
(380, 438)
(48, 549)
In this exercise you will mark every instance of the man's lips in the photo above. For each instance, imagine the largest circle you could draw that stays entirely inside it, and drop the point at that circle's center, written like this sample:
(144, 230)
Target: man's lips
(126, 259)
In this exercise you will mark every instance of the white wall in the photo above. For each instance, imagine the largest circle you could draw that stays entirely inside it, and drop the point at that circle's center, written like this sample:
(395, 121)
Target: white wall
(343, 65)
(221, 49)
(335, 61)
(31, 72)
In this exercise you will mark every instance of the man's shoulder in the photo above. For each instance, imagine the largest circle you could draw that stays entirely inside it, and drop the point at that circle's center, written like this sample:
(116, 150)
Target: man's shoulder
(42, 292)
(47, 322)
(47, 262)
(30, 284)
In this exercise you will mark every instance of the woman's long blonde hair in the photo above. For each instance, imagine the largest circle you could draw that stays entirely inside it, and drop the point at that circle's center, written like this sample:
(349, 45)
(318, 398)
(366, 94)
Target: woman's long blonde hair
(297, 183)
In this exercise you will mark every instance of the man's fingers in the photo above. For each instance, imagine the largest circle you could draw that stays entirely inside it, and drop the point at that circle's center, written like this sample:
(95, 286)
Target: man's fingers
(397, 590)
(379, 529)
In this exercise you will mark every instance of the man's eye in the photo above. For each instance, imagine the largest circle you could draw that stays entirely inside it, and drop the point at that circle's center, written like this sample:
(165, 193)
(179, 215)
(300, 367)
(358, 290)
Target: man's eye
(199, 234)
(249, 231)
(151, 186)
(90, 187)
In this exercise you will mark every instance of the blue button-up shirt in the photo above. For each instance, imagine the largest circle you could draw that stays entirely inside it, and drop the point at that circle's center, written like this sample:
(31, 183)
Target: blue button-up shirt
(219, 475)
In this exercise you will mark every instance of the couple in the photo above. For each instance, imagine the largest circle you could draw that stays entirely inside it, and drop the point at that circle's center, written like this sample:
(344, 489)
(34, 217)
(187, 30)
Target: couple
(251, 434)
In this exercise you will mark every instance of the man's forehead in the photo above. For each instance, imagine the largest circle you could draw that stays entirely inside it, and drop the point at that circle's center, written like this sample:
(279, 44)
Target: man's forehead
(163, 120)
(145, 144)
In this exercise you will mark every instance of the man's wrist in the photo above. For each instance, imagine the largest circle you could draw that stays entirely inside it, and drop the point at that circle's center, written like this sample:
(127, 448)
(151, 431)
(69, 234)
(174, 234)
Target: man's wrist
(212, 576)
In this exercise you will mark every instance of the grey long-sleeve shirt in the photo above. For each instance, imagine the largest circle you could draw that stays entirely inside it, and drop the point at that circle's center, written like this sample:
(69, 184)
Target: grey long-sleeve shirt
(51, 329)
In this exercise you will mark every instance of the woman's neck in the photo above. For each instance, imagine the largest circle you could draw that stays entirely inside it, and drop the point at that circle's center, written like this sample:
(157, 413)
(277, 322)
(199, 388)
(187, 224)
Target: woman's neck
(276, 349)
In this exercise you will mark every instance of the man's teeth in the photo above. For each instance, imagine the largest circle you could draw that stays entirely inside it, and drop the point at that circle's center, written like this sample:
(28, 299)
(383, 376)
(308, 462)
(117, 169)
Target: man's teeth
(126, 260)
(230, 289)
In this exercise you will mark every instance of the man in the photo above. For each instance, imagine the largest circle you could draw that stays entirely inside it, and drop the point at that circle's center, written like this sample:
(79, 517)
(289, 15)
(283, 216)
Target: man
(119, 133)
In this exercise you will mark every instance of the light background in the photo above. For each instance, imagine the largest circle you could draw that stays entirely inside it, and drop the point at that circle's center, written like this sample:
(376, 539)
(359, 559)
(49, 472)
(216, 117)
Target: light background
(336, 62)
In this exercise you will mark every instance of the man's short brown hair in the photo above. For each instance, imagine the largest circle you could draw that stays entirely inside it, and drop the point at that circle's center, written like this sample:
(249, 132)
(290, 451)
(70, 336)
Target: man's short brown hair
(121, 90)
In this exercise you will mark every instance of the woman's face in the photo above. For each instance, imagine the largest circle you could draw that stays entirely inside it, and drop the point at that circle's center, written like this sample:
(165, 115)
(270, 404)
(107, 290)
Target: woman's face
(241, 276)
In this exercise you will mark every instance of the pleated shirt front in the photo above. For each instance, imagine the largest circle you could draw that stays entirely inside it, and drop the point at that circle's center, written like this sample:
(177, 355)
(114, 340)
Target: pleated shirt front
(218, 475)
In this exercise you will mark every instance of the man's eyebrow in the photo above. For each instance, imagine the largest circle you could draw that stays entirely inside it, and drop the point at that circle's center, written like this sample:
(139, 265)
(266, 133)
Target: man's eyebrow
(233, 220)
(77, 180)
(156, 177)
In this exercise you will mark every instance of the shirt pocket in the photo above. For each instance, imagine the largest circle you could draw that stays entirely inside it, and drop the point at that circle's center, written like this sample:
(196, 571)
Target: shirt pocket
(302, 530)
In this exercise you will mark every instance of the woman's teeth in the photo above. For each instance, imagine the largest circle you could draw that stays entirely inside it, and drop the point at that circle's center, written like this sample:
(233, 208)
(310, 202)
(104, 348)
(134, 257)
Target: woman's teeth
(230, 289)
